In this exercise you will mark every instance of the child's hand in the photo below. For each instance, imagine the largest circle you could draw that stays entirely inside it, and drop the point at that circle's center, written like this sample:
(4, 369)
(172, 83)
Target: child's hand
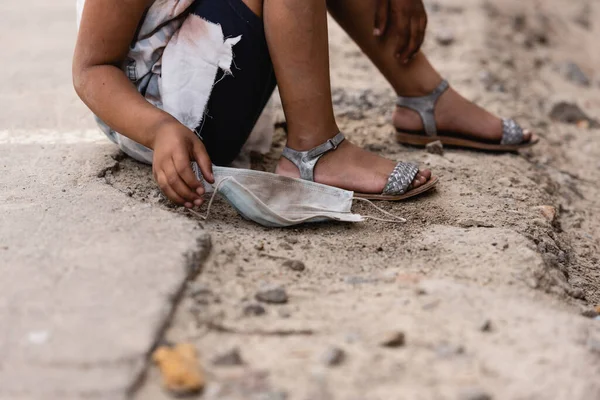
(404, 20)
(175, 147)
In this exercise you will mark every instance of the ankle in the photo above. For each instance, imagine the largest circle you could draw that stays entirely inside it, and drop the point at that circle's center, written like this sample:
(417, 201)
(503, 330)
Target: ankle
(307, 140)
(416, 89)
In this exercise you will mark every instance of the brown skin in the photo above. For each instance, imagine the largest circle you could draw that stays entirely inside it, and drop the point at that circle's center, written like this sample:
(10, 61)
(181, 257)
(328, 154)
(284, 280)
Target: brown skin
(107, 29)
(403, 20)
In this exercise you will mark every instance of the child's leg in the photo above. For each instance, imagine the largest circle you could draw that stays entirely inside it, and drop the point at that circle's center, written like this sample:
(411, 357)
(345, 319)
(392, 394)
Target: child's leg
(298, 42)
(417, 78)
(236, 101)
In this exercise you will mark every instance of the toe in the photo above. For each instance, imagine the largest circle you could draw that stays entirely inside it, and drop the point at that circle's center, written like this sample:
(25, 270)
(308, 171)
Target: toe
(425, 173)
(416, 182)
(527, 135)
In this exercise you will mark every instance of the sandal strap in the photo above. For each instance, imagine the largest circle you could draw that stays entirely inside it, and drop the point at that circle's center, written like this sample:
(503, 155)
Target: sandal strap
(512, 133)
(306, 161)
(400, 179)
(425, 107)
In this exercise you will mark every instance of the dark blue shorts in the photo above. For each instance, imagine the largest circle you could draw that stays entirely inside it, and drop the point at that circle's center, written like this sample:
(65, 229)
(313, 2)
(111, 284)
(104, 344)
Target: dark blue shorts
(237, 100)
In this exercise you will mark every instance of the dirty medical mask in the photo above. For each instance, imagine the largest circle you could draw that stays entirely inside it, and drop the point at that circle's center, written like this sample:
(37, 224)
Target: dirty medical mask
(276, 201)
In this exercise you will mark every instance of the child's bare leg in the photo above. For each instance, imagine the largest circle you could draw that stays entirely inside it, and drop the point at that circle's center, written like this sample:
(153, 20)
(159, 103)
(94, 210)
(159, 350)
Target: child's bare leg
(297, 36)
(417, 78)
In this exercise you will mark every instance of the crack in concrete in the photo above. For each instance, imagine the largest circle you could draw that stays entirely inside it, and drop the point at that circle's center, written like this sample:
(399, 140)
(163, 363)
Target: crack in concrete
(194, 262)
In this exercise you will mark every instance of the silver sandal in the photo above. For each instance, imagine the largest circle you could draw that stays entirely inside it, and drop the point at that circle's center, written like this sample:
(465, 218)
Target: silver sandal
(512, 134)
(397, 184)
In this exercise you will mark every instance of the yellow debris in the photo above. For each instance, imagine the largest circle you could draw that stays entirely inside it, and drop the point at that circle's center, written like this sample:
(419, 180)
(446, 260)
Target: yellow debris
(179, 368)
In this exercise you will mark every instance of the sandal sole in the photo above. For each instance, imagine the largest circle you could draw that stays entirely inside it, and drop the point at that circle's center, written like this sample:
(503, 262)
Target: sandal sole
(418, 140)
(431, 183)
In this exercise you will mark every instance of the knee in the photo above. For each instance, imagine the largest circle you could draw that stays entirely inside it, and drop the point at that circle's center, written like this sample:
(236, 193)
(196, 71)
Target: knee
(256, 6)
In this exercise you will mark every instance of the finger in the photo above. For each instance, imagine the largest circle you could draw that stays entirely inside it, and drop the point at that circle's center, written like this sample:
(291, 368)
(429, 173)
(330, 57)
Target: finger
(381, 17)
(422, 31)
(161, 180)
(413, 46)
(186, 173)
(403, 39)
(175, 182)
(203, 160)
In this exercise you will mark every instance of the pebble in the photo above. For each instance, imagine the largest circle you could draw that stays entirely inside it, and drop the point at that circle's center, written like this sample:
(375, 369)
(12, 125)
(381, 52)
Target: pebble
(486, 326)
(548, 212)
(474, 394)
(254, 310)
(229, 359)
(291, 240)
(273, 294)
(294, 265)
(285, 246)
(570, 113)
(333, 356)
(573, 73)
(444, 37)
(393, 339)
(435, 148)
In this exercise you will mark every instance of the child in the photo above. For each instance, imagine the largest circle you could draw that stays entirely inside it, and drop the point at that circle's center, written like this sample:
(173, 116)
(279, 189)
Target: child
(144, 68)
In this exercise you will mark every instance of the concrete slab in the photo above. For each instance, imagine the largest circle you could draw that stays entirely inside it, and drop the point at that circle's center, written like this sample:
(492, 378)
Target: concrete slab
(88, 274)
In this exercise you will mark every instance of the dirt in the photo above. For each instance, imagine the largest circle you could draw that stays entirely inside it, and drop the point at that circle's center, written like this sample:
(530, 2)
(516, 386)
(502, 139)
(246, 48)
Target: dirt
(486, 282)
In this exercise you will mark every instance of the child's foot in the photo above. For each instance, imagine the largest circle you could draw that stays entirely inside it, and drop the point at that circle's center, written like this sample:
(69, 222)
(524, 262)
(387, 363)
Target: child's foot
(454, 113)
(352, 168)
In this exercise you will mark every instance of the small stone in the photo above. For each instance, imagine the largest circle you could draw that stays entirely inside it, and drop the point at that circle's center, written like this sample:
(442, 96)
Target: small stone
(590, 313)
(435, 148)
(570, 113)
(393, 339)
(573, 73)
(260, 246)
(273, 294)
(291, 240)
(254, 310)
(294, 265)
(230, 358)
(474, 394)
(333, 356)
(286, 246)
(597, 308)
(548, 212)
(486, 326)
(444, 37)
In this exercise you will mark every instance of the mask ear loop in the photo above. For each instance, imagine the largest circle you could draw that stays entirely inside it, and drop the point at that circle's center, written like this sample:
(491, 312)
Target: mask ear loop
(395, 219)
(210, 202)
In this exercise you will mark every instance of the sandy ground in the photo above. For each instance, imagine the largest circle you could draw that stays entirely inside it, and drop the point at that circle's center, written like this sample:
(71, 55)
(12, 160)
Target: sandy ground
(492, 281)
(487, 280)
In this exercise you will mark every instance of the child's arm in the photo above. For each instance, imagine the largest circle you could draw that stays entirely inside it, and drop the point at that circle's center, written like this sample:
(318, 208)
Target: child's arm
(106, 31)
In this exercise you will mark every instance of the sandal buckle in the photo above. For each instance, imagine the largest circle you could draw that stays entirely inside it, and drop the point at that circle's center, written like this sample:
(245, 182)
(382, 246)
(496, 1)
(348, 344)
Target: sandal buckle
(333, 145)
